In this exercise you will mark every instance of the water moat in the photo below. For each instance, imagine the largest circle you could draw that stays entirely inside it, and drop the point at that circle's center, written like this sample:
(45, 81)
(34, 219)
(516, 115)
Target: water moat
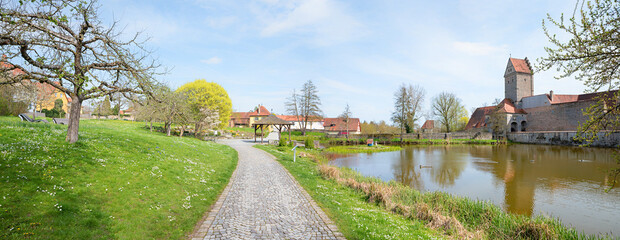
(561, 182)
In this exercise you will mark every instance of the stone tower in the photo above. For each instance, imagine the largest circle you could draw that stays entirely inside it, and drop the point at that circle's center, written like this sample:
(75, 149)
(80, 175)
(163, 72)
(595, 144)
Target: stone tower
(518, 80)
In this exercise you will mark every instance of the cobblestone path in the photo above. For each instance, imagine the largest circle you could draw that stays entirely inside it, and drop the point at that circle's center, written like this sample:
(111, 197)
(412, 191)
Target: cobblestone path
(262, 201)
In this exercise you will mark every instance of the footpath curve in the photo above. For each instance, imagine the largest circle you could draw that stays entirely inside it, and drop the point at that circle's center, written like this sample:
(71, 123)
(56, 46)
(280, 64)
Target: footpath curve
(263, 201)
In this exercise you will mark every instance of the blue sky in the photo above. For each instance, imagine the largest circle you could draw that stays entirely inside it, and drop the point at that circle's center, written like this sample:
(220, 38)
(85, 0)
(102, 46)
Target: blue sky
(356, 52)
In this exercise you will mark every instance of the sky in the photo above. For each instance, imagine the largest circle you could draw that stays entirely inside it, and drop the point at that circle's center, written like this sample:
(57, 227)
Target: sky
(356, 52)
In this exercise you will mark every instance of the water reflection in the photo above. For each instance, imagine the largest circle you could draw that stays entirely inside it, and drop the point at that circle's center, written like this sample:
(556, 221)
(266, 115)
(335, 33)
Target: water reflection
(564, 182)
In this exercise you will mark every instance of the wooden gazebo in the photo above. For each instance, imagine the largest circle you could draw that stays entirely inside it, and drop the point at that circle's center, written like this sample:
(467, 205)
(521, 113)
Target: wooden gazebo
(274, 121)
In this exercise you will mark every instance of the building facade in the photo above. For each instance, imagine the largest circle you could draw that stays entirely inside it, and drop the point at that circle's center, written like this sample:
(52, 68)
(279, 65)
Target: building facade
(522, 111)
(314, 122)
(340, 126)
(246, 119)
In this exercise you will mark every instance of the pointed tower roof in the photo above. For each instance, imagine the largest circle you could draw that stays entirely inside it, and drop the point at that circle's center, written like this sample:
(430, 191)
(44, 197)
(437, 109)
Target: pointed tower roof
(521, 65)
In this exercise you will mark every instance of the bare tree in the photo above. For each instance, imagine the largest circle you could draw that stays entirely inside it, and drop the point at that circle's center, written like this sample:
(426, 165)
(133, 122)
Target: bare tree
(346, 115)
(63, 43)
(415, 95)
(447, 108)
(401, 107)
(292, 106)
(146, 110)
(305, 105)
(407, 104)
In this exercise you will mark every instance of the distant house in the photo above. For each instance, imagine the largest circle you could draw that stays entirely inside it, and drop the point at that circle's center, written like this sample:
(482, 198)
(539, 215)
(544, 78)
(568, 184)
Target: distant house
(46, 94)
(129, 111)
(339, 126)
(52, 95)
(246, 119)
(428, 126)
(314, 122)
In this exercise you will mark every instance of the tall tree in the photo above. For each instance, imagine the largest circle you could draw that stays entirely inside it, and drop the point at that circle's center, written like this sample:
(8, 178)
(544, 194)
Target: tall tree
(346, 116)
(205, 99)
(292, 103)
(415, 95)
(64, 43)
(447, 108)
(174, 108)
(401, 107)
(591, 55)
(104, 108)
(305, 105)
(408, 101)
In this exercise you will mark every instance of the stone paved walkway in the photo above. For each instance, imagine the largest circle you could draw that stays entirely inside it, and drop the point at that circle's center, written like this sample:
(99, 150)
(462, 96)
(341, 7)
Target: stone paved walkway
(263, 201)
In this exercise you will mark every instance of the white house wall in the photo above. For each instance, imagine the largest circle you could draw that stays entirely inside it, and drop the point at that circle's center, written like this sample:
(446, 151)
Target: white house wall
(311, 125)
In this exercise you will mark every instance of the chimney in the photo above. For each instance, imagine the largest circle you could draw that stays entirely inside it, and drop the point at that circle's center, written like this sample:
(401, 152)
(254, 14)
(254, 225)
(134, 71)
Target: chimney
(551, 95)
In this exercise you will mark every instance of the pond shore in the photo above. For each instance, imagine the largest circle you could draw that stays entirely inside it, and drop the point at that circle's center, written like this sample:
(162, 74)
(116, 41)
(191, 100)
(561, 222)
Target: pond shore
(443, 213)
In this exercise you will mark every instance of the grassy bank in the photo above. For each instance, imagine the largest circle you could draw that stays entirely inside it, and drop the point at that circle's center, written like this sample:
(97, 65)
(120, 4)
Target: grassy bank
(348, 208)
(118, 181)
(451, 216)
(362, 149)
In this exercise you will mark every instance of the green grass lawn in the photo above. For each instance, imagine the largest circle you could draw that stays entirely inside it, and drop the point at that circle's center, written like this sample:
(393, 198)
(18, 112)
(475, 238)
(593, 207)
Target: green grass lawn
(119, 181)
(355, 218)
(241, 129)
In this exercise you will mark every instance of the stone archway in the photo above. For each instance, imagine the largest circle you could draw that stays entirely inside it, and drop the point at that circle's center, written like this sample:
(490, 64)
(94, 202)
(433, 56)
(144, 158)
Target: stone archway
(513, 127)
(523, 126)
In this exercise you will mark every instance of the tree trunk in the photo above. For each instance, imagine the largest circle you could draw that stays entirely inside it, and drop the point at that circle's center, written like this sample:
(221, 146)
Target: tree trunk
(151, 125)
(74, 120)
(168, 127)
(34, 110)
(182, 130)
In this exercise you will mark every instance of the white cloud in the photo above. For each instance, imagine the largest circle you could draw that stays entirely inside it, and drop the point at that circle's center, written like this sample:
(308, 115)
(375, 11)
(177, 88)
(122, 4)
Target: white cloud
(213, 60)
(158, 27)
(324, 20)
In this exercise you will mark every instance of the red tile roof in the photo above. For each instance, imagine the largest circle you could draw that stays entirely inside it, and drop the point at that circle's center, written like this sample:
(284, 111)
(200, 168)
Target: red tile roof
(563, 98)
(338, 124)
(477, 119)
(15, 71)
(292, 118)
(240, 115)
(240, 118)
(45, 88)
(521, 65)
(506, 106)
(260, 111)
(429, 124)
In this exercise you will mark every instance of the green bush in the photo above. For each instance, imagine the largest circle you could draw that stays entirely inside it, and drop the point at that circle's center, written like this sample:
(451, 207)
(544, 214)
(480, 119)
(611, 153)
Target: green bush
(54, 113)
(309, 143)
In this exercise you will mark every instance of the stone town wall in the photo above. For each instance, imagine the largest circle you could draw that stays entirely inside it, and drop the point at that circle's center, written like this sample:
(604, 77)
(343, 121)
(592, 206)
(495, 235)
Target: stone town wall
(452, 135)
(566, 138)
(557, 117)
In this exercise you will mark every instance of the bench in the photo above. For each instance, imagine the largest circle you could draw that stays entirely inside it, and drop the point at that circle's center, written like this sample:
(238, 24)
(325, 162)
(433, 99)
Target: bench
(63, 121)
(25, 117)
